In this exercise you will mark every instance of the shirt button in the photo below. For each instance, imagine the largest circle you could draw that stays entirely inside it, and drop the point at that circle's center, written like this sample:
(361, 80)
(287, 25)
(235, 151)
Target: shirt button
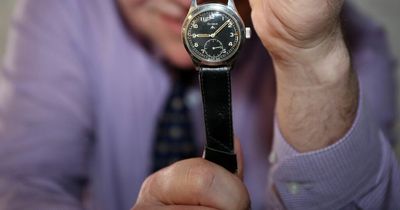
(293, 188)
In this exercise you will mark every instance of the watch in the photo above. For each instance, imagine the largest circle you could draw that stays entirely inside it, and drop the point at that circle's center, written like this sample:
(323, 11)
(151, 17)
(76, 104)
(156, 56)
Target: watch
(213, 34)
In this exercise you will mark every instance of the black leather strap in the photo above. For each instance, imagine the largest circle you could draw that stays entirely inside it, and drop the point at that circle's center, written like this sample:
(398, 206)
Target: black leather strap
(216, 92)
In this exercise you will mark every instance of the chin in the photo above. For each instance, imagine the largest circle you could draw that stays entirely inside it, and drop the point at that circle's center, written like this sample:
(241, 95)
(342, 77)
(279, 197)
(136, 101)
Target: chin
(181, 60)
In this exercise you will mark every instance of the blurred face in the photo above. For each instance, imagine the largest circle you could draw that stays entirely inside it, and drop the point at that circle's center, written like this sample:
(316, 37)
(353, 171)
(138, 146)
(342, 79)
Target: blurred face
(160, 21)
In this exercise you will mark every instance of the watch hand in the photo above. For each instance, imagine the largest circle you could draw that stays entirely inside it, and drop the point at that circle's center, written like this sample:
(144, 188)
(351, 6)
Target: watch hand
(202, 35)
(220, 28)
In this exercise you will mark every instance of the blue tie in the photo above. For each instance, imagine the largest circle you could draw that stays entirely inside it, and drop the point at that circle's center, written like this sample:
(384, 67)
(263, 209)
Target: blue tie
(174, 138)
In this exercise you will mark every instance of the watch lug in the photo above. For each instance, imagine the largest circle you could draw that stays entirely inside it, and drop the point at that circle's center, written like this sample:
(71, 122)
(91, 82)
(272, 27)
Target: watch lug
(193, 5)
(231, 4)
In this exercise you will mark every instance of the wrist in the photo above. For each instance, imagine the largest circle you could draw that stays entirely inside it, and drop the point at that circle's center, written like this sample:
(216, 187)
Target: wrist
(322, 64)
(317, 89)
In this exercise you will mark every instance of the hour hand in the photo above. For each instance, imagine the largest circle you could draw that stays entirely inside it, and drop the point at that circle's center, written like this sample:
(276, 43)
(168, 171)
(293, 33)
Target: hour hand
(201, 35)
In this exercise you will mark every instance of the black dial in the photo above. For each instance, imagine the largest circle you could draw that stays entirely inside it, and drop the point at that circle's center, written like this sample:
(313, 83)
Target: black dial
(213, 36)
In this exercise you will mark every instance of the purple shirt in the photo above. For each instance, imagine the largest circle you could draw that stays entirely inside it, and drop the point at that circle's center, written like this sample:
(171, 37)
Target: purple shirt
(79, 100)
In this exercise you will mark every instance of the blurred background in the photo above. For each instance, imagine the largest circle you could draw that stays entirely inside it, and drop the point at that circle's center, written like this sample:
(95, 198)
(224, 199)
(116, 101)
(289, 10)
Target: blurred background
(385, 12)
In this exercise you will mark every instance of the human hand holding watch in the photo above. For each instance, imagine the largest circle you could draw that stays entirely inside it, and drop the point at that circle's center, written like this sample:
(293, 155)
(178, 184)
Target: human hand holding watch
(213, 35)
(316, 90)
(195, 184)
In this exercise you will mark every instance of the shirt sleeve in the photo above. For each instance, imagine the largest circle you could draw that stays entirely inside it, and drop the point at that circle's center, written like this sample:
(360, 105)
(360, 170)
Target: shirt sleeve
(359, 171)
(44, 114)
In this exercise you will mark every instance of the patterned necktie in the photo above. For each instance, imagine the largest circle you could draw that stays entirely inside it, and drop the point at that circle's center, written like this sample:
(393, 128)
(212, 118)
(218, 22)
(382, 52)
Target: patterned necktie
(174, 138)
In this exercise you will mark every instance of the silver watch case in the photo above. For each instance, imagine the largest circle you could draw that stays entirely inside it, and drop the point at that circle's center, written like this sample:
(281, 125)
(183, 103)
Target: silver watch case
(228, 9)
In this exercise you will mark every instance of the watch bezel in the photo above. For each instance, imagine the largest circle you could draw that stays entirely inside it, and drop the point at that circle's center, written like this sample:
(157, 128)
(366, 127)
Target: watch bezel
(217, 8)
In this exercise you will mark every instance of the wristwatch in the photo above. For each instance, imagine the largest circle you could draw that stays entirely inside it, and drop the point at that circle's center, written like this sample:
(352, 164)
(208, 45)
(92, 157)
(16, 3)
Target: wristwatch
(213, 34)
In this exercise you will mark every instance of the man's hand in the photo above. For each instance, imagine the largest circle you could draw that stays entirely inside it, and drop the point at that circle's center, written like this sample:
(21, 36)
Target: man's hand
(195, 184)
(317, 89)
(290, 28)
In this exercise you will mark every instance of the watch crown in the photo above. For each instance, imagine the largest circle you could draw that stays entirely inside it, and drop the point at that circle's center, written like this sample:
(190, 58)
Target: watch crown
(248, 33)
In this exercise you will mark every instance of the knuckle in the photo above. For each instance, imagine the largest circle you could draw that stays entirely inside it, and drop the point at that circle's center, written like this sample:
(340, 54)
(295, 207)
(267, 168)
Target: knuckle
(201, 177)
(148, 182)
(148, 190)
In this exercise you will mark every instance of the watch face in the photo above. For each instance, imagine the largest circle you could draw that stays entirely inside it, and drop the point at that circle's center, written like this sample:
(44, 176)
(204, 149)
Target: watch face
(213, 36)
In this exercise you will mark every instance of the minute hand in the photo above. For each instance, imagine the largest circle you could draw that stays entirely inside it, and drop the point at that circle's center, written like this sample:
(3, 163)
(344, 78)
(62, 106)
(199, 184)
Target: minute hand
(220, 28)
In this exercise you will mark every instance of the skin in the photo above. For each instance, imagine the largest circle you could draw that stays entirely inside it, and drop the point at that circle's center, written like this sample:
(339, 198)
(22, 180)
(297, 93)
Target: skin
(195, 184)
(317, 90)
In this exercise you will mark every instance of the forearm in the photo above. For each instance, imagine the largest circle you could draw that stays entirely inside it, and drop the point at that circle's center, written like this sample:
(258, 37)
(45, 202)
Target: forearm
(360, 170)
(317, 94)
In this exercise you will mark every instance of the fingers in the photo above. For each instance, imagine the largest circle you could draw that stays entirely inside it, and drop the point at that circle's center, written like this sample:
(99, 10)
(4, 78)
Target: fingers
(195, 182)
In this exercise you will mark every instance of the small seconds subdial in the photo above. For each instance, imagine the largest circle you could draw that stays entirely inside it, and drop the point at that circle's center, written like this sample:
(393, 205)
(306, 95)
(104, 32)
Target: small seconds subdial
(214, 48)
(213, 36)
